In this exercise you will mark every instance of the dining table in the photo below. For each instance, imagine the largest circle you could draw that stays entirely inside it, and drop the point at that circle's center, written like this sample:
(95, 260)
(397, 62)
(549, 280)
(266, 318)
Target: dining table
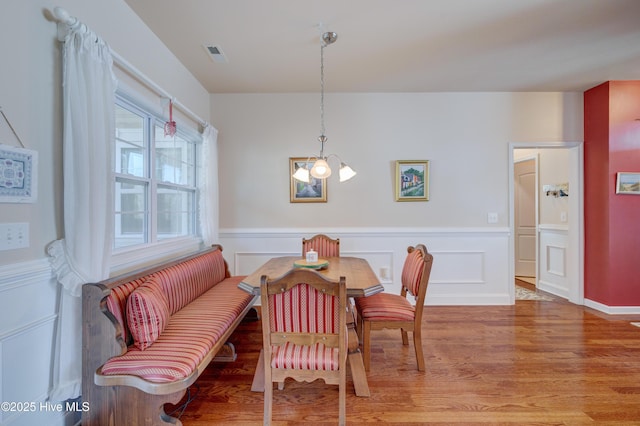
(361, 282)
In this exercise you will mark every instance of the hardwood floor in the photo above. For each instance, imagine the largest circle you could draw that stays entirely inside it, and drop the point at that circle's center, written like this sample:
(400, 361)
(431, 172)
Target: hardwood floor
(542, 363)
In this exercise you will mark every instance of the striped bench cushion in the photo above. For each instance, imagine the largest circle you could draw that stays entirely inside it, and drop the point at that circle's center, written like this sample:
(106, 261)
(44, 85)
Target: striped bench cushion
(181, 283)
(187, 280)
(188, 337)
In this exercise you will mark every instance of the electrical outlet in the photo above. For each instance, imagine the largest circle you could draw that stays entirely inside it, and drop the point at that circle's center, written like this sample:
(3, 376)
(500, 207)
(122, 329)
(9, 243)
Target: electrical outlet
(384, 272)
(14, 236)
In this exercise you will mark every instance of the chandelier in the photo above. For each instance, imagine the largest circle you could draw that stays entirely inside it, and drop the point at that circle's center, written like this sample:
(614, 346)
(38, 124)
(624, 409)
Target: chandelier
(320, 168)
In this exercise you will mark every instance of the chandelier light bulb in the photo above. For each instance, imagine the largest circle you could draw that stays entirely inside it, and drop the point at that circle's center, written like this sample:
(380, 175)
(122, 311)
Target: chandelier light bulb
(321, 169)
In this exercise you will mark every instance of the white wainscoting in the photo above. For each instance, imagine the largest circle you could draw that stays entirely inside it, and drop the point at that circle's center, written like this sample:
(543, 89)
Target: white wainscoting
(553, 245)
(471, 265)
(28, 297)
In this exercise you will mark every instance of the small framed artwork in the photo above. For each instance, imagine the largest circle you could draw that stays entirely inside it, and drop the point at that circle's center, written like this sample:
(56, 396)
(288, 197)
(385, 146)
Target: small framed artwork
(628, 183)
(300, 192)
(412, 180)
(18, 175)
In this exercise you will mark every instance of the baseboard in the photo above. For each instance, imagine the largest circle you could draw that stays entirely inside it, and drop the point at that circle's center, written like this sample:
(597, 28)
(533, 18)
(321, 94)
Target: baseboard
(612, 310)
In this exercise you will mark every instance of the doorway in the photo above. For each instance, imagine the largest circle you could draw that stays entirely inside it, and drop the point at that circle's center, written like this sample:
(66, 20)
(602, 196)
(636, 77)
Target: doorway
(573, 250)
(525, 212)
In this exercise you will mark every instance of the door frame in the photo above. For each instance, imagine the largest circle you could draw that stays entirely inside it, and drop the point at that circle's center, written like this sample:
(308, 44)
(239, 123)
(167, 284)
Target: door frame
(575, 235)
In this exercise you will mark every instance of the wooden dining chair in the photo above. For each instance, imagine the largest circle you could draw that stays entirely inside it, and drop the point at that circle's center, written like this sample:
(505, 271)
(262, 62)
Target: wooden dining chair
(304, 332)
(325, 246)
(386, 310)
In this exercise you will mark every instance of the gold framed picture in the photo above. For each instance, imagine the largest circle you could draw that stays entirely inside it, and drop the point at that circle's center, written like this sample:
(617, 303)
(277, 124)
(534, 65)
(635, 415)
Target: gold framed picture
(300, 192)
(412, 180)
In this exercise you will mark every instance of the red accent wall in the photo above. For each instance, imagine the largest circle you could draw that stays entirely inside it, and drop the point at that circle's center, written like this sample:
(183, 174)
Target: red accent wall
(612, 221)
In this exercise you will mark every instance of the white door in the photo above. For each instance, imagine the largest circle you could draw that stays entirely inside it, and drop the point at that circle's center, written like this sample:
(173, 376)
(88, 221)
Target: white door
(525, 218)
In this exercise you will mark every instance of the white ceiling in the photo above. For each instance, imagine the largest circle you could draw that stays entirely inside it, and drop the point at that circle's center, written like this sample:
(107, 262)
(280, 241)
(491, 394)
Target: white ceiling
(401, 45)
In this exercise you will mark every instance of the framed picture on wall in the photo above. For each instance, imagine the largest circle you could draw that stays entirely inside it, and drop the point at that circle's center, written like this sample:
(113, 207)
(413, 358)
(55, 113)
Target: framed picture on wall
(300, 192)
(628, 183)
(18, 175)
(412, 180)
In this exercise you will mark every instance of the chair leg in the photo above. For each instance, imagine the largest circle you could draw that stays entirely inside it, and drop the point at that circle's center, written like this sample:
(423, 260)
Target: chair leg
(268, 389)
(417, 343)
(268, 402)
(366, 344)
(342, 400)
(359, 322)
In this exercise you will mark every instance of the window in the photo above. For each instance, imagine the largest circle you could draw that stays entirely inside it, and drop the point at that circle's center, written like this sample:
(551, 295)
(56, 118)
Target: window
(155, 179)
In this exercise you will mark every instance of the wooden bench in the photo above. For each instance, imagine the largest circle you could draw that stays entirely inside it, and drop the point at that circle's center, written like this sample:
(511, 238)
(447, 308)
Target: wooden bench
(149, 334)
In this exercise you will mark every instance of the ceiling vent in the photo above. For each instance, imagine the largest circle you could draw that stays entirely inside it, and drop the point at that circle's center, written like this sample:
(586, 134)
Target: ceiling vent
(216, 54)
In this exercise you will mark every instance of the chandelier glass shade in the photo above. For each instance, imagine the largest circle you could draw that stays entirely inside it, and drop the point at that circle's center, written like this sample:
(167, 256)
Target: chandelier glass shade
(321, 168)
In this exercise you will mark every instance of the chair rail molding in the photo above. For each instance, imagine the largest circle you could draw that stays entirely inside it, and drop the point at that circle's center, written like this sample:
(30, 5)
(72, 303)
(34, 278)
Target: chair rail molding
(470, 264)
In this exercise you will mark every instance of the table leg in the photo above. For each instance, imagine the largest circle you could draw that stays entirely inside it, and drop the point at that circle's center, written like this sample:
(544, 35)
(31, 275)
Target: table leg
(358, 374)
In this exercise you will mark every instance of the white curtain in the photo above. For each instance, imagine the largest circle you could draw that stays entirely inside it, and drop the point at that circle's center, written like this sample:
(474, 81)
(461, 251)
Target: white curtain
(208, 182)
(84, 254)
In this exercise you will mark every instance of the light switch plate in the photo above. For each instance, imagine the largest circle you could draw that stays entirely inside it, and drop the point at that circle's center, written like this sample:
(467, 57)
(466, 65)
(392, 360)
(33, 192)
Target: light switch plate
(14, 236)
(492, 217)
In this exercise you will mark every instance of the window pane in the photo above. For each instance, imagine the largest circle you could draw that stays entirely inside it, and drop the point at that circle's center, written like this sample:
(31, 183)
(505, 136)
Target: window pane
(175, 212)
(174, 159)
(155, 178)
(130, 213)
(130, 143)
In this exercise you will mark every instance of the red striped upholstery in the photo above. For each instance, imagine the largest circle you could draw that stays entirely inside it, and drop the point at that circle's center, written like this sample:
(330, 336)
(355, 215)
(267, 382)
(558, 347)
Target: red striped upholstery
(323, 245)
(186, 281)
(385, 306)
(147, 313)
(303, 309)
(412, 271)
(188, 337)
(203, 271)
(299, 357)
(117, 303)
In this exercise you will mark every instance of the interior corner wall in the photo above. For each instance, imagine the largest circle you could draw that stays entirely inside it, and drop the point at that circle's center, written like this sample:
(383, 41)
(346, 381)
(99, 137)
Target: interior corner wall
(612, 135)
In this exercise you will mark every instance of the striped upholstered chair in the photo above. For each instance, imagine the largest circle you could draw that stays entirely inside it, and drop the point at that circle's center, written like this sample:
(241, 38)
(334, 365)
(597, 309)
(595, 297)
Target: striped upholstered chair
(324, 245)
(304, 332)
(386, 310)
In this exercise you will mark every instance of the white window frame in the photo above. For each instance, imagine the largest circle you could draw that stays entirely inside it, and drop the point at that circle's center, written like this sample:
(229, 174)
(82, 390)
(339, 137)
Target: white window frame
(129, 257)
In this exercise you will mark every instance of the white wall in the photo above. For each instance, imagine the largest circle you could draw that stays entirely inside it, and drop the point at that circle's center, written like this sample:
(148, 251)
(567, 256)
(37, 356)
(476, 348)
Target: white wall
(30, 95)
(464, 135)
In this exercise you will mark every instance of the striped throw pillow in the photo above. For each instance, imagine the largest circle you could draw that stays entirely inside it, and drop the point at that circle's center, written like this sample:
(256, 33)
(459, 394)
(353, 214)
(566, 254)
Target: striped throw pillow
(147, 313)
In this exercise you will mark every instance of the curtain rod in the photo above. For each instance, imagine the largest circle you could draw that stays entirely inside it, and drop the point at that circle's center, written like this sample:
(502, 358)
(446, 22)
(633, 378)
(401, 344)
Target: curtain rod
(70, 22)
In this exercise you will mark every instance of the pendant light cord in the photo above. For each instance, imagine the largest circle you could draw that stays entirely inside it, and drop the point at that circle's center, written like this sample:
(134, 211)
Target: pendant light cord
(322, 128)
